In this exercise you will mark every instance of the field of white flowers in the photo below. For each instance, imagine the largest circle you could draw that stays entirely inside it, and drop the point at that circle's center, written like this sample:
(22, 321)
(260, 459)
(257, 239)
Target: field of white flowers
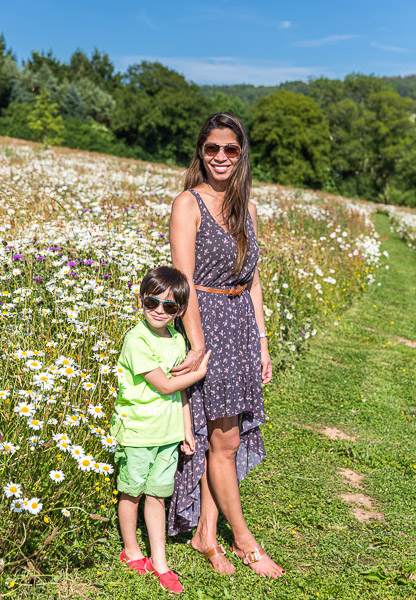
(77, 233)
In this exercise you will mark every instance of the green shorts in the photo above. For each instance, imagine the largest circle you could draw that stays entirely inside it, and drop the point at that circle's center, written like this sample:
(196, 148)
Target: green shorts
(148, 470)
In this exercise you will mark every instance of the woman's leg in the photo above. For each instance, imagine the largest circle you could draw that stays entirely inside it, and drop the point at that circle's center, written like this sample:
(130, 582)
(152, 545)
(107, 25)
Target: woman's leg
(127, 515)
(154, 515)
(206, 533)
(224, 441)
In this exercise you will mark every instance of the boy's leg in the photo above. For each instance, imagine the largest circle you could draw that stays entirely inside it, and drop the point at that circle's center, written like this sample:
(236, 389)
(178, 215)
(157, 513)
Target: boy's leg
(127, 514)
(133, 469)
(159, 485)
(154, 514)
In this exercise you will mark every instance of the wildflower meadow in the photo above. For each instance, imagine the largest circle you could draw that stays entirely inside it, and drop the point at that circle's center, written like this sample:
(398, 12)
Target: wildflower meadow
(77, 233)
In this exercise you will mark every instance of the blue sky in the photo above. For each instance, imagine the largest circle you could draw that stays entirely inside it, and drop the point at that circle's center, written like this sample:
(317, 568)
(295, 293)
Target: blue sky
(263, 42)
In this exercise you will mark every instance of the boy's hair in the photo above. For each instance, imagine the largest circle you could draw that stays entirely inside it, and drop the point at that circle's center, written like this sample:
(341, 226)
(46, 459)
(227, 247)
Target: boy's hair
(158, 280)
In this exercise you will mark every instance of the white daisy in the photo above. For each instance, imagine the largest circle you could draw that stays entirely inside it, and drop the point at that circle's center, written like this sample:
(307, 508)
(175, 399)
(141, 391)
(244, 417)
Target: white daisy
(34, 506)
(64, 446)
(105, 370)
(35, 441)
(45, 380)
(60, 436)
(4, 394)
(57, 476)
(96, 411)
(106, 468)
(68, 372)
(12, 489)
(108, 441)
(66, 512)
(8, 447)
(52, 421)
(34, 365)
(72, 420)
(17, 506)
(35, 424)
(87, 385)
(24, 409)
(85, 463)
(77, 452)
(65, 361)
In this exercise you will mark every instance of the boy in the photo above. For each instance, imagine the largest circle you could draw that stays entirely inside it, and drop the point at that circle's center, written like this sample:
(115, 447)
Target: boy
(152, 417)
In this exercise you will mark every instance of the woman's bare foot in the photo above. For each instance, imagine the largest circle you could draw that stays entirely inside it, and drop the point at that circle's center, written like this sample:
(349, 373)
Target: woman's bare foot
(263, 565)
(219, 562)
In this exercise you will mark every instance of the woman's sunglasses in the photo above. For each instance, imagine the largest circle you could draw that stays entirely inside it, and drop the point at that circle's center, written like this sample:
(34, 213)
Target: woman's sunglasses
(170, 308)
(230, 150)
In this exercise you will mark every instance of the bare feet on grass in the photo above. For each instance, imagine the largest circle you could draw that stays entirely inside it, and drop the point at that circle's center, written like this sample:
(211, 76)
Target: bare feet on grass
(265, 566)
(219, 562)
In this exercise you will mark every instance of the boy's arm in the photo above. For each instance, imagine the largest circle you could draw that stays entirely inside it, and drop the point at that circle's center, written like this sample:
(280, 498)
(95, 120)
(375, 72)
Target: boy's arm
(165, 386)
(188, 445)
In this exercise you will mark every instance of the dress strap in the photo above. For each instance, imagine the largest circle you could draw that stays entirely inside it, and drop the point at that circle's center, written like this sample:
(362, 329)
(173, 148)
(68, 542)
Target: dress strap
(201, 203)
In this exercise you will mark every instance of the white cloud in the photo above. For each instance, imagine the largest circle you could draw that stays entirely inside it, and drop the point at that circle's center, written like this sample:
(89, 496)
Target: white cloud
(330, 39)
(229, 70)
(390, 48)
(285, 24)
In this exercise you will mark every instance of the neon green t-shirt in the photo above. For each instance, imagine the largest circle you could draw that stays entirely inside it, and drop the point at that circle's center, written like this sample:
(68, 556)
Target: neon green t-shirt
(144, 416)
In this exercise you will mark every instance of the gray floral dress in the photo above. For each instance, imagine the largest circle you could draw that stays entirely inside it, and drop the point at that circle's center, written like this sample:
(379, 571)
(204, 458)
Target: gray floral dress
(232, 385)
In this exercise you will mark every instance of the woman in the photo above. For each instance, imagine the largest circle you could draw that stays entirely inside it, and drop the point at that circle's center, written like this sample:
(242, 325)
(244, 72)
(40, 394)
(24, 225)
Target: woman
(213, 241)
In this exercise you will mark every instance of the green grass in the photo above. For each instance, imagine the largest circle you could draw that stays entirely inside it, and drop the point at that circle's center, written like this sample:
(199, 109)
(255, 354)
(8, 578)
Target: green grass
(356, 377)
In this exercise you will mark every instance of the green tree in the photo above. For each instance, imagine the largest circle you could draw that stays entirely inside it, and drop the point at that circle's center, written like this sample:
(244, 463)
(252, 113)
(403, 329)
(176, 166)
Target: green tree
(71, 104)
(44, 119)
(14, 121)
(38, 59)
(159, 113)
(221, 102)
(8, 71)
(290, 140)
(99, 104)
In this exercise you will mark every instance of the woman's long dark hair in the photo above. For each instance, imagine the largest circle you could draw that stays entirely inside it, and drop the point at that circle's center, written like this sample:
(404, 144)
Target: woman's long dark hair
(237, 193)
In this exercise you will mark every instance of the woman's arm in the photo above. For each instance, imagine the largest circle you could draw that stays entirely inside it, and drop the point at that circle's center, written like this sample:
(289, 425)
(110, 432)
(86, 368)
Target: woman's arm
(184, 223)
(257, 298)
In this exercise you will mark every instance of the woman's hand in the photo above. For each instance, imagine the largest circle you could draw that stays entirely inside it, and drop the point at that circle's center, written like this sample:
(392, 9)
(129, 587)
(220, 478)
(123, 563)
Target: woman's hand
(266, 366)
(191, 363)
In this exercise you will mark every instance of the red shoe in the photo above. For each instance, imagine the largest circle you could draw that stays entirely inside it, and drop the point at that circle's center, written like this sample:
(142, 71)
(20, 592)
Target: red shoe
(138, 565)
(169, 580)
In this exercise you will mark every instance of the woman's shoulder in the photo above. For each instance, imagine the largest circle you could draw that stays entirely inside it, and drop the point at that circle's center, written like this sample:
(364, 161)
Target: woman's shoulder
(252, 209)
(186, 205)
(185, 199)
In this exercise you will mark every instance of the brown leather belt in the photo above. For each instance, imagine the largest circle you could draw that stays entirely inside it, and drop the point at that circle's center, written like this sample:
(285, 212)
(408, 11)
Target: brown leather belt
(231, 293)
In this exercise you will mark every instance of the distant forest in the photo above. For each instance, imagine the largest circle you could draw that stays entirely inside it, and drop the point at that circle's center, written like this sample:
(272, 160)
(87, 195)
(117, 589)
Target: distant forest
(355, 137)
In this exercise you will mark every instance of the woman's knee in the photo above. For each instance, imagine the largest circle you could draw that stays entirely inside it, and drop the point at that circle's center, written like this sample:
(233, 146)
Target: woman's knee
(225, 443)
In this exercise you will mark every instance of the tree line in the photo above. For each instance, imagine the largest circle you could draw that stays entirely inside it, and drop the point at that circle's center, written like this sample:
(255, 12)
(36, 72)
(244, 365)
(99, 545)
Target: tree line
(355, 137)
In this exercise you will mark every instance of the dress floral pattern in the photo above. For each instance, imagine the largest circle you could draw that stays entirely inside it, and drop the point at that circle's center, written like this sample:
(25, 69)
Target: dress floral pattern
(232, 385)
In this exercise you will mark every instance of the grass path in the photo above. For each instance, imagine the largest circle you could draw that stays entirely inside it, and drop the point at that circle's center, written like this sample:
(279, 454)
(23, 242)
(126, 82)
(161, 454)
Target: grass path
(360, 379)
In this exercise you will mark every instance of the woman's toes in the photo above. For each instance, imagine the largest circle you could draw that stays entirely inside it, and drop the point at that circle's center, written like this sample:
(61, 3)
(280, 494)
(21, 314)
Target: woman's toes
(222, 565)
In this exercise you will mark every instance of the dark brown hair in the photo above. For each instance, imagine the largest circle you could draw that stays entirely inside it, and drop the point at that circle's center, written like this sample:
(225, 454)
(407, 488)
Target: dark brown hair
(237, 193)
(158, 280)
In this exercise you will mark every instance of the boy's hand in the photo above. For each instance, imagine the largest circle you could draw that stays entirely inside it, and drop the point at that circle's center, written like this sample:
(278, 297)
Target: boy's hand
(188, 445)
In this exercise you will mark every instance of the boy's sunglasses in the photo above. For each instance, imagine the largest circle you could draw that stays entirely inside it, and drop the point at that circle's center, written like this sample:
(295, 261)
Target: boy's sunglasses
(230, 150)
(170, 308)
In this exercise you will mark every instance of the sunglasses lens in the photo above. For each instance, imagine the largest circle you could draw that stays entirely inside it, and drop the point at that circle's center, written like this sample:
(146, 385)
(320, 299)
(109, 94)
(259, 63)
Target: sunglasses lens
(171, 308)
(150, 303)
(211, 149)
(232, 151)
